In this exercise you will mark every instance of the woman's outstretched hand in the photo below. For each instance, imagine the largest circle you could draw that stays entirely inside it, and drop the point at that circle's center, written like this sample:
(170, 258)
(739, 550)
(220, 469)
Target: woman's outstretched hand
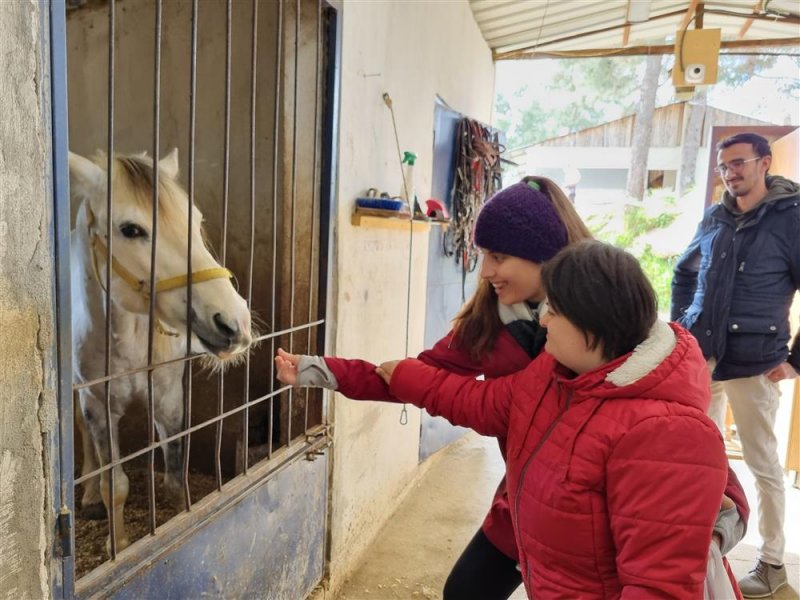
(386, 369)
(287, 366)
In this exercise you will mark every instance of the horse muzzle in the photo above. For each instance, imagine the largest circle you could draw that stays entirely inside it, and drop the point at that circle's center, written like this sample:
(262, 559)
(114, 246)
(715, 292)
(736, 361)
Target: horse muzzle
(222, 337)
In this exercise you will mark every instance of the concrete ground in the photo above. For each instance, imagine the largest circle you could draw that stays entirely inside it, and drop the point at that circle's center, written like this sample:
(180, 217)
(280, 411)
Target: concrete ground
(415, 550)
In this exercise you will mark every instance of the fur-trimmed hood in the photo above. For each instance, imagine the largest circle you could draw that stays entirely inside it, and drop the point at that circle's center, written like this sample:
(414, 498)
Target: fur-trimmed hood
(657, 368)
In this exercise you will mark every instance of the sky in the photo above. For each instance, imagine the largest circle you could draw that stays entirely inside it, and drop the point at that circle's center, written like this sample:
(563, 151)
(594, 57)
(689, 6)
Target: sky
(759, 98)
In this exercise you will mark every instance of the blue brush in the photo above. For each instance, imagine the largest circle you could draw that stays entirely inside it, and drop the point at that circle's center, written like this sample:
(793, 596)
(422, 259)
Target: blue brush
(380, 203)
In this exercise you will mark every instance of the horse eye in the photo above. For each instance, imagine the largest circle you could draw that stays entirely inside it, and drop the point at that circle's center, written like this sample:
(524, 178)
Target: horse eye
(132, 231)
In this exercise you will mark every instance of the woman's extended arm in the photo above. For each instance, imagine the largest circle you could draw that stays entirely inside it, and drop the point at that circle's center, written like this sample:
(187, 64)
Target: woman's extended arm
(357, 379)
(484, 406)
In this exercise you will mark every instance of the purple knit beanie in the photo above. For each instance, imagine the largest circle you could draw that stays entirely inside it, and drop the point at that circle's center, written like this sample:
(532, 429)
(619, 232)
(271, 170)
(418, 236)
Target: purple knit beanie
(520, 221)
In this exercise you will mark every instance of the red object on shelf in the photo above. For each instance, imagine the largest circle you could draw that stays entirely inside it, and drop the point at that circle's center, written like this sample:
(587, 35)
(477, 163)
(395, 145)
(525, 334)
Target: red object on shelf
(436, 209)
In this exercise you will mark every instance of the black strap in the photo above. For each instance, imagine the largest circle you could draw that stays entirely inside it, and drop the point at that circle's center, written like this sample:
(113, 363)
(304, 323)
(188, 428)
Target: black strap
(528, 334)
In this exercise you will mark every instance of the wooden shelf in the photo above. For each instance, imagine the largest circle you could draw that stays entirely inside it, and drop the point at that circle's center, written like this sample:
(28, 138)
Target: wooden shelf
(388, 222)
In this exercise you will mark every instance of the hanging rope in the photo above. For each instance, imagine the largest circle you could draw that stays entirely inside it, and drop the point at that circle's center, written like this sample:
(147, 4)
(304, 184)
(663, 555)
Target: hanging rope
(477, 178)
(387, 99)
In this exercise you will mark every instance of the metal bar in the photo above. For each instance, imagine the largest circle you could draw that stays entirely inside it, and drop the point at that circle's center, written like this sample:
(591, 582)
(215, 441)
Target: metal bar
(225, 191)
(258, 339)
(253, 97)
(153, 292)
(107, 579)
(155, 445)
(187, 370)
(109, 253)
(314, 194)
(275, 150)
(292, 240)
(62, 443)
(328, 186)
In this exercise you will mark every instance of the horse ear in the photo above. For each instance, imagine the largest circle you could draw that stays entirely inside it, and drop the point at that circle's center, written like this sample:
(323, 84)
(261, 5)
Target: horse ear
(85, 177)
(169, 164)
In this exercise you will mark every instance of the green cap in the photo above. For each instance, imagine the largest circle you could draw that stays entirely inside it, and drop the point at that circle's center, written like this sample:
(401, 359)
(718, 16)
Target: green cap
(409, 157)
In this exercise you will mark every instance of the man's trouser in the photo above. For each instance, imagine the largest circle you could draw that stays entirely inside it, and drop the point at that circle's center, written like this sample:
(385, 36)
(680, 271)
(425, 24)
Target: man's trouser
(754, 404)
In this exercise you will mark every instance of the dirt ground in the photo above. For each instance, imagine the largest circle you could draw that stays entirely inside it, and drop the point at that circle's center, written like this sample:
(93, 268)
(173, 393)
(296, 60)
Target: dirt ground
(90, 535)
(414, 552)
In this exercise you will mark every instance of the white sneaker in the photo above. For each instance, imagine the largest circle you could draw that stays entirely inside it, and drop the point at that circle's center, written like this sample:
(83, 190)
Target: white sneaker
(763, 580)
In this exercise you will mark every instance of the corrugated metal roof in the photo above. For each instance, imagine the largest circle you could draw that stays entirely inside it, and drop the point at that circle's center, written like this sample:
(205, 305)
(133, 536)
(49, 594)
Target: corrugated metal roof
(539, 28)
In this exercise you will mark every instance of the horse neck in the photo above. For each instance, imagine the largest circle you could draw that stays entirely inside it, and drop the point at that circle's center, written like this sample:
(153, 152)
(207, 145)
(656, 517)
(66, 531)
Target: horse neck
(129, 330)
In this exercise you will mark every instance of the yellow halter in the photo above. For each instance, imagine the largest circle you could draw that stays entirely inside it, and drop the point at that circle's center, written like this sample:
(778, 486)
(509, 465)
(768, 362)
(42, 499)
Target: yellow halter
(140, 285)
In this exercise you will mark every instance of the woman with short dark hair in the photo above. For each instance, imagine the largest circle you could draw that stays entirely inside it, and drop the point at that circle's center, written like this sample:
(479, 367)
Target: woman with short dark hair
(615, 473)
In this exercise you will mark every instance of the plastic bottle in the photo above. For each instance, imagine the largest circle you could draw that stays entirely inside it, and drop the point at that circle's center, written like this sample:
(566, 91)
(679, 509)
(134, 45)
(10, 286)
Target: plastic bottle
(407, 191)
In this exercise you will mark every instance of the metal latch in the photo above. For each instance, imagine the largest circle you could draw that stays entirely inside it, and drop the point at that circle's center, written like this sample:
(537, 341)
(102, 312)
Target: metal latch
(320, 441)
(65, 530)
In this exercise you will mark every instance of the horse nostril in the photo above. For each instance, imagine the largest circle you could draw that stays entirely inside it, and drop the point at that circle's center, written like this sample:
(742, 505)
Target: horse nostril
(224, 328)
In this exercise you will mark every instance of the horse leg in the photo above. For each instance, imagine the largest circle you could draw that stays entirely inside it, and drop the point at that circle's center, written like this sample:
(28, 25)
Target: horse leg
(91, 502)
(169, 421)
(95, 421)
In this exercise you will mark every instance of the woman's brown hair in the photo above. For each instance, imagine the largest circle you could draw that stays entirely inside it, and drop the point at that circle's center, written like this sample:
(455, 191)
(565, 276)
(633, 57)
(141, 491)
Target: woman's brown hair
(478, 324)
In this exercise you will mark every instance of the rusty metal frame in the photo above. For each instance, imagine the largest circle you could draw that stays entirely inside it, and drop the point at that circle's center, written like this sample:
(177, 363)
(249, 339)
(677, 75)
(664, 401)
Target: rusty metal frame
(114, 573)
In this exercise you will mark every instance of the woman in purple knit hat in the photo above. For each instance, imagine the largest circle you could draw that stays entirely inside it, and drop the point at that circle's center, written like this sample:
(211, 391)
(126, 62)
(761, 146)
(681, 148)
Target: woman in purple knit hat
(496, 333)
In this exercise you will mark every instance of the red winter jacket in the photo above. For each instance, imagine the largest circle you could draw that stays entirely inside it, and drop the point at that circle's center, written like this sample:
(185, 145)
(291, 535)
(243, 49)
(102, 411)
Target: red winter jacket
(615, 475)
(357, 380)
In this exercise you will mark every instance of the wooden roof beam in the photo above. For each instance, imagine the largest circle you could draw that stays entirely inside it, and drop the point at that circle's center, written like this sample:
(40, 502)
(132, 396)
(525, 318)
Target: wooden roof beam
(524, 52)
(688, 16)
(746, 25)
(532, 53)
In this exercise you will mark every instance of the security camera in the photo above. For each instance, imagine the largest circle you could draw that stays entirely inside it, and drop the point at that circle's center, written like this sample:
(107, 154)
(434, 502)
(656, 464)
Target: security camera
(694, 73)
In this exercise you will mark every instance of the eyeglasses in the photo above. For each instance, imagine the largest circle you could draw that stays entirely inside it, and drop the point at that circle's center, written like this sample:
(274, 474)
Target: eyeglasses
(734, 165)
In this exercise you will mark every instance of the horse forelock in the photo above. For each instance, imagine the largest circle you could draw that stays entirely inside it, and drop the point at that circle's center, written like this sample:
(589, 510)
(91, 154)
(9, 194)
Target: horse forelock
(134, 176)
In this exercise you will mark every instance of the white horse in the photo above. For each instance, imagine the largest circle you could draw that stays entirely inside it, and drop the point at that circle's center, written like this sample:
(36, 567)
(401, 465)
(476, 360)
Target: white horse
(220, 319)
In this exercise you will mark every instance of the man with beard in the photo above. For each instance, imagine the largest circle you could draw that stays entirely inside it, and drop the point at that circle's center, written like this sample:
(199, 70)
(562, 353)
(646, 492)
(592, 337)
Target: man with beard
(732, 289)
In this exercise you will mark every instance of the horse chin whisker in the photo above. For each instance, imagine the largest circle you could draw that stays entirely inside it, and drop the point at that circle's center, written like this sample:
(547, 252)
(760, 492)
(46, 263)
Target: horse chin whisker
(215, 365)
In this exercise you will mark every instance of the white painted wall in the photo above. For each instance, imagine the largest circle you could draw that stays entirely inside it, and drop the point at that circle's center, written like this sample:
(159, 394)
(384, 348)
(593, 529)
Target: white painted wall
(413, 51)
(27, 398)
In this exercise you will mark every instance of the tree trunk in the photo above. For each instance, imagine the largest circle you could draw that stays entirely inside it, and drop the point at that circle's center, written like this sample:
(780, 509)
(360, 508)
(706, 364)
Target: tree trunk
(691, 141)
(642, 129)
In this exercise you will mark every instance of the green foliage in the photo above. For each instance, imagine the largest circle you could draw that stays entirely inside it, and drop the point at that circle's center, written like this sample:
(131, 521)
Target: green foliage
(588, 91)
(636, 223)
(631, 231)
(592, 91)
(659, 271)
(736, 70)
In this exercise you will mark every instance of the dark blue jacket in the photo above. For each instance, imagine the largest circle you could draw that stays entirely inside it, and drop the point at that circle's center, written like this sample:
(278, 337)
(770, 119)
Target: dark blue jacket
(735, 283)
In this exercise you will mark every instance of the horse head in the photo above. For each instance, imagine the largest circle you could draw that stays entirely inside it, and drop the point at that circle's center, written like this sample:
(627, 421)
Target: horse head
(219, 317)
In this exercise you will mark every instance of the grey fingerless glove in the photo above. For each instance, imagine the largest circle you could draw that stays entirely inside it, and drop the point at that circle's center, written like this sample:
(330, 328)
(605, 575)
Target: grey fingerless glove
(730, 528)
(312, 371)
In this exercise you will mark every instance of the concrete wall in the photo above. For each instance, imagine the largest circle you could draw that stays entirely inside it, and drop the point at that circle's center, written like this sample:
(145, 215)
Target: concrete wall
(413, 51)
(27, 399)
